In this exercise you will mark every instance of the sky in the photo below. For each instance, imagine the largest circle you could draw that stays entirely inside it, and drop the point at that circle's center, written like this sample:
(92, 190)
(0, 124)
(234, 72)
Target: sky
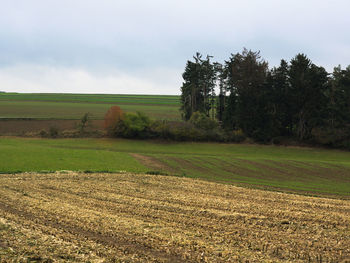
(141, 47)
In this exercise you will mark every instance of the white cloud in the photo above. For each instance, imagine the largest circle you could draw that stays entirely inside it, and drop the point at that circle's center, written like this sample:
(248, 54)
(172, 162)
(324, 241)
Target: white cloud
(31, 78)
(149, 41)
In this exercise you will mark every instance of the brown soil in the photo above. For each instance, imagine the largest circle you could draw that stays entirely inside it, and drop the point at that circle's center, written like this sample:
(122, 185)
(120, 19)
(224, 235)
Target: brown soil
(114, 241)
(151, 162)
(20, 127)
(142, 218)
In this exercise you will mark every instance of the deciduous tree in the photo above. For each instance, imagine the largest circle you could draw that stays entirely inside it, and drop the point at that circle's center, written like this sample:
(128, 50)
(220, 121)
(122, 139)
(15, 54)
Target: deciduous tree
(112, 117)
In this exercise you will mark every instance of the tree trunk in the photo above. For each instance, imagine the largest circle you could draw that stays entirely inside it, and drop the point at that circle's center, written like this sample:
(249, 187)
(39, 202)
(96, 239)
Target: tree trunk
(301, 131)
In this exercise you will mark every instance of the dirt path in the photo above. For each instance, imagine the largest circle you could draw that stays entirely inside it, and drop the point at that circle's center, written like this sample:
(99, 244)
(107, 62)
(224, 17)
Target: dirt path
(151, 162)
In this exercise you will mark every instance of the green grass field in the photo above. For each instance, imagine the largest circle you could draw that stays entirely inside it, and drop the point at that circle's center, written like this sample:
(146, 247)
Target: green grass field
(92, 98)
(73, 106)
(307, 170)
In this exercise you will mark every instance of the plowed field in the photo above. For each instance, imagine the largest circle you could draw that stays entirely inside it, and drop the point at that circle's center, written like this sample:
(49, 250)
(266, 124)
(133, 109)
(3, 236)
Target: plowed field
(146, 218)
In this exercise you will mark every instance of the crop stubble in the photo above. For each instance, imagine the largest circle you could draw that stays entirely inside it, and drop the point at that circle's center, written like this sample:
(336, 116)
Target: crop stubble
(138, 218)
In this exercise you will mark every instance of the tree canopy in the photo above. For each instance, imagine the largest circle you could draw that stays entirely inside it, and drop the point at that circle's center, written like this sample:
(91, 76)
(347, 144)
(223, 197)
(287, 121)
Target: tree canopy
(296, 99)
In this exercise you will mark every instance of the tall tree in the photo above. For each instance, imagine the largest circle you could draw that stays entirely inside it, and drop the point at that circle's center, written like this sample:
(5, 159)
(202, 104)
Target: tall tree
(198, 86)
(221, 78)
(247, 74)
(280, 104)
(338, 96)
(308, 83)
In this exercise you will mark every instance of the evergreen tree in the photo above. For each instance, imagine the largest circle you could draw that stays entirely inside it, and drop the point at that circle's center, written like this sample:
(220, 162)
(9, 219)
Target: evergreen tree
(197, 91)
(221, 77)
(227, 81)
(247, 74)
(294, 99)
(279, 99)
(338, 96)
(308, 84)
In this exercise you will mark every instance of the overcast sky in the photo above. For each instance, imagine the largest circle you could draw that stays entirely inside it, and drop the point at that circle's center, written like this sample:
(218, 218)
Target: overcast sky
(141, 47)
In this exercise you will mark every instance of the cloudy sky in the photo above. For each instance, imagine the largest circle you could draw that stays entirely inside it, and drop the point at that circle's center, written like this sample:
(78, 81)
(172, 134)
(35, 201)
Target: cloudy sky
(141, 47)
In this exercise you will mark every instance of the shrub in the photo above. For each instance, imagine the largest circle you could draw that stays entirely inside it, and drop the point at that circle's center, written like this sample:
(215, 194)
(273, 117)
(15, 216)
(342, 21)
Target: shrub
(185, 131)
(328, 136)
(134, 126)
(200, 128)
(344, 144)
(236, 136)
(70, 133)
(43, 133)
(84, 122)
(53, 132)
(113, 116)
(277, 140)
(161, 129)
(201, 121)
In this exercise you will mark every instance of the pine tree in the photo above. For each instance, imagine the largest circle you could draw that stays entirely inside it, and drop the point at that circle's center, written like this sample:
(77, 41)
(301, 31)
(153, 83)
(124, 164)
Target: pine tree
(198, 89)
(246, 75)
(308, 83)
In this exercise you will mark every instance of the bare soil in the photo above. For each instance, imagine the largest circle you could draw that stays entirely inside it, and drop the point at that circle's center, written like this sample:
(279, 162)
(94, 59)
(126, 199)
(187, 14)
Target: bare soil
(72, 217)
(21, 127)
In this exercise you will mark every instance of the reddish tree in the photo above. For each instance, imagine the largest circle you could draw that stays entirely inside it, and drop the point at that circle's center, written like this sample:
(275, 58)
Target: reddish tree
(112, 117)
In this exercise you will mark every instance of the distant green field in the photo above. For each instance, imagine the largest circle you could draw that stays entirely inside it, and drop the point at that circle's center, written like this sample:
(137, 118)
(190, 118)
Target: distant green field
(73, 106)
(307, 170)
(92, 98)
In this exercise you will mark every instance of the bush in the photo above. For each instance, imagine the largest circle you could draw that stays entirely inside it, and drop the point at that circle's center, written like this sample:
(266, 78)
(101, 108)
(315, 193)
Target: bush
(199, 128)
(201, 121)
(71, 134)
(134, 126)
(43, 134)
(53, 132)
(161, 129)
(328, 136)
(277, 140)
(344, 144)
(236, 136)
(185, 131)
(113, 116)
(84, 122)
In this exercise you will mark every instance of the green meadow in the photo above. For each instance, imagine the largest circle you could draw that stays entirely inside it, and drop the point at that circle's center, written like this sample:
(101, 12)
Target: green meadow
(92, 98)
(306, 170)
(296, 169)
(74, 106)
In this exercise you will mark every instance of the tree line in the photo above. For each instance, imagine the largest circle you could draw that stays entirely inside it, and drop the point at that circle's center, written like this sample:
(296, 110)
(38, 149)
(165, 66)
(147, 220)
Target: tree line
(297, 99)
